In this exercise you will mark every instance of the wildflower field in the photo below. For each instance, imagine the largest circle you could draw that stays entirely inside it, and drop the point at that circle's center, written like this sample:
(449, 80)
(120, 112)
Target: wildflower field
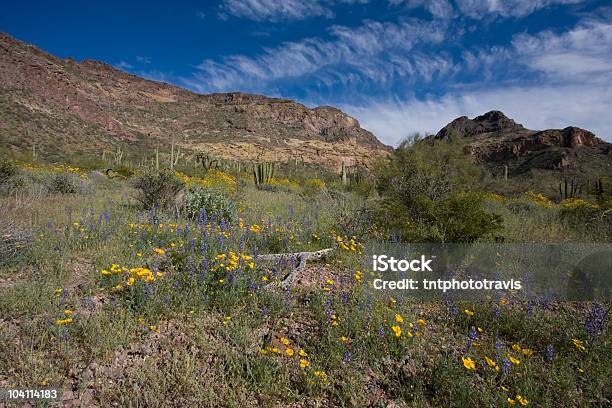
(117, 304)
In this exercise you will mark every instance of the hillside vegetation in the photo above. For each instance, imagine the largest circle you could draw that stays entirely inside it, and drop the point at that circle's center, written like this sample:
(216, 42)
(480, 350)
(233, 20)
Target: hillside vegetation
(145, 287)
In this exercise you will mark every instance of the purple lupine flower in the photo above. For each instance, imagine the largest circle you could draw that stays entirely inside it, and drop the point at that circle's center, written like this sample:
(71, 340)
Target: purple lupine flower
(473, 334)
(595, 320)
(190, 266)
(506, 365)
(549, 353)
(345, 298)
(347, 356)
(147, 291)
(452, 311)
(381, 331)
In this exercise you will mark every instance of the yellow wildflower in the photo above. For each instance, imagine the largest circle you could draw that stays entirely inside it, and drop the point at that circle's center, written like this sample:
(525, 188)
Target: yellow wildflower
(159, 251)
(579, 344)
(513, 360)
(63, 322)
(397, 330)
(468, 363)
(522, 400)
(285, 341)
(399, 318)
(289, 351)
(304, 363)
(468, 312)
(421, 322)
(302, 353)
(490, 362)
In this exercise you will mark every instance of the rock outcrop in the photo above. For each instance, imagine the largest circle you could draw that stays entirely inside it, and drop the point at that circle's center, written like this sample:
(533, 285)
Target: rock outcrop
(495, 139)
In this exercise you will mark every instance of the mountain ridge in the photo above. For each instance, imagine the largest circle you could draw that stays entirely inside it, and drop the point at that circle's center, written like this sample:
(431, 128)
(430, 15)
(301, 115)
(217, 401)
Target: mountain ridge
(90, 106)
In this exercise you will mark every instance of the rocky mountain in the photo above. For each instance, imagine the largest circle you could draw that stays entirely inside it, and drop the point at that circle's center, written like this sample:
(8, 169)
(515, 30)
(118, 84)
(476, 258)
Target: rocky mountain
(60, 106)
(496, 140)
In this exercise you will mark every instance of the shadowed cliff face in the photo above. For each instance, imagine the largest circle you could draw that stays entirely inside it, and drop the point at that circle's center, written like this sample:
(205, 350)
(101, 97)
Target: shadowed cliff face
(59, 104)
(495, 139)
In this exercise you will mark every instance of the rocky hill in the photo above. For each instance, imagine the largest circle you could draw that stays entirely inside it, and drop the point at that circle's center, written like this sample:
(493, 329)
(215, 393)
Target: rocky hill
(496, 140)
(62, 107)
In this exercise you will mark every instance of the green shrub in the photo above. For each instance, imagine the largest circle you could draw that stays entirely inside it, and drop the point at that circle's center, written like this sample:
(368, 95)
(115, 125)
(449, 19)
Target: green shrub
(64, 183)
(214, 203)
(422, 185)
(124, 171)
(157, 189)
(15, 239)
(7, 170)
(313, 187)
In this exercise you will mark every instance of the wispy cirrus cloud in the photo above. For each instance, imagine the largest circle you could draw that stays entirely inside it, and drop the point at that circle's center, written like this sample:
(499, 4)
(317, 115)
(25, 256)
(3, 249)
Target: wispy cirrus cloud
(506, 8)
(123, 65)
(376, 51)
(478, 9)
(583, 53)
(275, 11)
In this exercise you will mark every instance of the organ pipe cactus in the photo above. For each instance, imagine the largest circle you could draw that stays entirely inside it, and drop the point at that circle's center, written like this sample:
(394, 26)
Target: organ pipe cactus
(263, 172)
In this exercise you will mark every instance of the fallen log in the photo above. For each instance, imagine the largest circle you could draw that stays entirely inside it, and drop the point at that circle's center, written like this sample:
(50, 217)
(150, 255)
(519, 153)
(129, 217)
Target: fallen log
(300, 259)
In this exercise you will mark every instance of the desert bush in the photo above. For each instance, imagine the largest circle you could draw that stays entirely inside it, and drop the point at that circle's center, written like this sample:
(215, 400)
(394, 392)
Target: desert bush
(157, 189)
(7, 171)
(350, 216)
(64, 183)
(124, 171)
(14, 238)
(423, 187)
(312, 187)
(590, 221)
(216, 204)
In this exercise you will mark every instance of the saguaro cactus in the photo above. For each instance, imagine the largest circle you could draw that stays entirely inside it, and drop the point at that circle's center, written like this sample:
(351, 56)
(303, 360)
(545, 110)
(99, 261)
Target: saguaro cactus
(344, 174)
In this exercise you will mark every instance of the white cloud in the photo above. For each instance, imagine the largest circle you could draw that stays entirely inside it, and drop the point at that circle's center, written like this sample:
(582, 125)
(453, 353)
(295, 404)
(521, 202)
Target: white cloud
(124, 65)
(580, 54)
(506, 8)
(274, 10)
(536, 108)
(280, 10)
(437, 8)
(143, 60)
(375, 51)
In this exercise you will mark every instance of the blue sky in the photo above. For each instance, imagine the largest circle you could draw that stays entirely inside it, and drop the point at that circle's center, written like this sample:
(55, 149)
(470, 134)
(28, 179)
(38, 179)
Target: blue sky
(399, 66)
